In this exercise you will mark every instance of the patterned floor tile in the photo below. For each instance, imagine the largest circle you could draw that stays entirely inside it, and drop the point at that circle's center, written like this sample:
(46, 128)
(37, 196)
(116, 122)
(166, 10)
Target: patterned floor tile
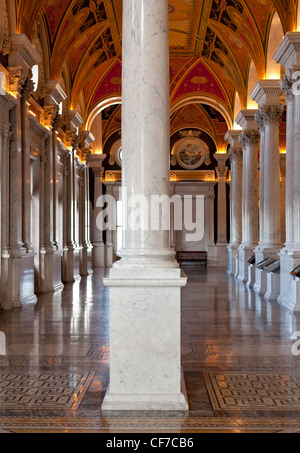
(233, 391)
(43, 390)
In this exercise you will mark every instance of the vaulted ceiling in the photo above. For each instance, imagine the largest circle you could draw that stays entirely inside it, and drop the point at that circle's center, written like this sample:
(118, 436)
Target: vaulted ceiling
(212, 44)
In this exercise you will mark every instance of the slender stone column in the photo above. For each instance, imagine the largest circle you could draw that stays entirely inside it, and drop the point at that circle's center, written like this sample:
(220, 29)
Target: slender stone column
(283, 184)
(261, 125)
(286, 86)
(249, 140)
(236, 199)
(222, 243)
(26, 177)
(288, 55)
(20, 281)
(71, 247)
(109, 245)
(95, 162)
(266, 94)
(145, 285)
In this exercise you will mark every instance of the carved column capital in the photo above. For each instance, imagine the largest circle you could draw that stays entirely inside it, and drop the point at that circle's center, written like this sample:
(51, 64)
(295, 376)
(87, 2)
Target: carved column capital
(271, 114)
(235, 154)
(71, 139)
(260, 119)
(17, 80)
(27, 88)
(249, 138)
(221, 173)
(49, 115)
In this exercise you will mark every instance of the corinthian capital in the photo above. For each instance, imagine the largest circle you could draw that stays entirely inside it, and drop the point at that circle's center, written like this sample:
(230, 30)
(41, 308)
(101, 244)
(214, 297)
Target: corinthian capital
(271, 114)
(235, 154)
(249, 138)
(17, 80)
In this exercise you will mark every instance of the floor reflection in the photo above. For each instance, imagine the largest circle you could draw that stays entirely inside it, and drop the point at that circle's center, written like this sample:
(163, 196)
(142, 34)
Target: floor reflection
(240, 371)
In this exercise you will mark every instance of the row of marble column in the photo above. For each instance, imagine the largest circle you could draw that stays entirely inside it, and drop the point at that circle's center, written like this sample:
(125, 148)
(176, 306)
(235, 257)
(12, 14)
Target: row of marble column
(265, 213)
(45, 230)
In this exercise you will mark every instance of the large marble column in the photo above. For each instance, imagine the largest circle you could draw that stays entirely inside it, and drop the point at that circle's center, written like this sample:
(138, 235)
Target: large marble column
(7, 103)
(288, 55)
(71, 247)
(20, 267)
(249, 140)
(266, 94)
(283, 183)
(222, 243)
(236, 199)
(51, 252)
(145, 286)
(95, 162)
(85, 246)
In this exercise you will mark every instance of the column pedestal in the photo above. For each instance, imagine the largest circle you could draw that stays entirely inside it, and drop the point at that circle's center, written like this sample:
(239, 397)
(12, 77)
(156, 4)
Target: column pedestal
(233, 251)
(145, 340)
(289, 287)
(245, 253)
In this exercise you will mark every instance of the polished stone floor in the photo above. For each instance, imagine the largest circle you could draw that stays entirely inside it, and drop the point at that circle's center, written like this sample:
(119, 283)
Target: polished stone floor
(240, 372)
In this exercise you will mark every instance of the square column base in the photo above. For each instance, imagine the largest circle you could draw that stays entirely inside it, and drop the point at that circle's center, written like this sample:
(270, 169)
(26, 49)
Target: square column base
(260, 286)
(133, 402)
(145, 343)
(273, 286)
(261, 276)
(245, 253)
(251, 276)
(233, 251)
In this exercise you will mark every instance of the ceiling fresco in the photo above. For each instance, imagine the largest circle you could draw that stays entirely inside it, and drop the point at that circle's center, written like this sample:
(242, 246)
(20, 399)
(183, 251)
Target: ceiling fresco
(212, 44)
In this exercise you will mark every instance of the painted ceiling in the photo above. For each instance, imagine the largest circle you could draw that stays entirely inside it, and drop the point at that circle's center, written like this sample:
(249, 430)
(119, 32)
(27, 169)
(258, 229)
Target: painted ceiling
(212, 43)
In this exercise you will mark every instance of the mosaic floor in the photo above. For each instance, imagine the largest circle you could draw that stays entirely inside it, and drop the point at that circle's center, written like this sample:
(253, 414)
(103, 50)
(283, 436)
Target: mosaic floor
(240, 372)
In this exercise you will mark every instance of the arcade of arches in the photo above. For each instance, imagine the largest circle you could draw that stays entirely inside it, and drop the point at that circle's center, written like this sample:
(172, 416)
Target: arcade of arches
(188, 98)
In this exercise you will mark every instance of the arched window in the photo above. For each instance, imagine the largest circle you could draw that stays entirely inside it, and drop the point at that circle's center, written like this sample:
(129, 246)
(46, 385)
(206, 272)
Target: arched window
(273, 70)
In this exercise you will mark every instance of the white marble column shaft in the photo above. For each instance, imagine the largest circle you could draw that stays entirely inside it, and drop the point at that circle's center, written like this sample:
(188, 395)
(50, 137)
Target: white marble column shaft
(286, 86)
(250, 143)
(296, 178)
(236, 197)
(272, 220)
(146, 119)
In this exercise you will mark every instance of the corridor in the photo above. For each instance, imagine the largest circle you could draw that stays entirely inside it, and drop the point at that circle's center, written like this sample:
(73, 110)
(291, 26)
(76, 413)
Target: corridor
(240, 372)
